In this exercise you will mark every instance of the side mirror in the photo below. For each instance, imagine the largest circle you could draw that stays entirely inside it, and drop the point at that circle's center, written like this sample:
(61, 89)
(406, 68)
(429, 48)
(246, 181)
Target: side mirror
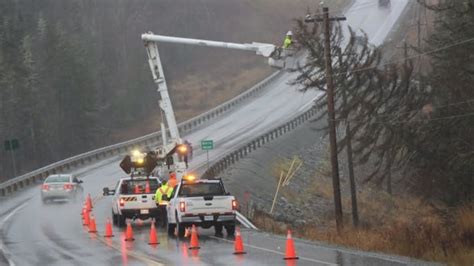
(227, 193)
(80, 181)
(106, 191)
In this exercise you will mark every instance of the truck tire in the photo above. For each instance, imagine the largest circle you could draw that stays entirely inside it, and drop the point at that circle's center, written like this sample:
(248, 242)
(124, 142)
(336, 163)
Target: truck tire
(230, 229)
(121, 219)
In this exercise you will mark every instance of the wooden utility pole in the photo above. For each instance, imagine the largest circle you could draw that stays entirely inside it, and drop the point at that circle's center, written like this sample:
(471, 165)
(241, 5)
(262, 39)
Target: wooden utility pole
(331, 113)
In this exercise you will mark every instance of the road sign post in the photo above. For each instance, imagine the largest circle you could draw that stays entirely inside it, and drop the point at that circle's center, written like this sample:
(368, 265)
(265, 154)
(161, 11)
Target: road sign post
(11, 145)
(207, 145)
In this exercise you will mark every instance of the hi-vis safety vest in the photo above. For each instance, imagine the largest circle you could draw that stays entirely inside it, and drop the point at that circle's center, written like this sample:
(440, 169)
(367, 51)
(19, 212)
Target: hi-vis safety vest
(161, 192)
(287, 42)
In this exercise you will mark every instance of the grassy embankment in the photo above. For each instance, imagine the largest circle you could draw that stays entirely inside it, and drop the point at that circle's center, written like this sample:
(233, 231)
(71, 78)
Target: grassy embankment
(399, 224)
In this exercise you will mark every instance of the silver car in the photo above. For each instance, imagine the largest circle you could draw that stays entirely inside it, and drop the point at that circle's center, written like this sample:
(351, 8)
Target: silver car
(62, 186)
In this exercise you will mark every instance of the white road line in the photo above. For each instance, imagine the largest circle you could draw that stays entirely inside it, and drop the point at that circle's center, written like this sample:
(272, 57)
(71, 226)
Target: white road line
(3, 248)
(276, 252)
(347, 250)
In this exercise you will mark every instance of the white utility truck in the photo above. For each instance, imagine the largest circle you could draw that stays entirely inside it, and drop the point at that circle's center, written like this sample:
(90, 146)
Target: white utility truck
(203, 203)
(134, 197)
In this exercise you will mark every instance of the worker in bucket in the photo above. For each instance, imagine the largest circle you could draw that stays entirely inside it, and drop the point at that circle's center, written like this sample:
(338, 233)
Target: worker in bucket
(288, 40)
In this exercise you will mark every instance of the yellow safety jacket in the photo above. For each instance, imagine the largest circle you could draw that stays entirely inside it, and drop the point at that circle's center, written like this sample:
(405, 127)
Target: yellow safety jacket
(161, 191)
(287, 42)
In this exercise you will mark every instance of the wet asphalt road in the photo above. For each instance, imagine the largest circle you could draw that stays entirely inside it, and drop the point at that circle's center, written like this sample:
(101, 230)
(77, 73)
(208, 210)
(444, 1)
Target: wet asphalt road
(36, 234)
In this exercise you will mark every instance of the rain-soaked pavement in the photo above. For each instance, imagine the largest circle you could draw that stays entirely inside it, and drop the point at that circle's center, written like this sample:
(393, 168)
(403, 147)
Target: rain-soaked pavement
(32, 233)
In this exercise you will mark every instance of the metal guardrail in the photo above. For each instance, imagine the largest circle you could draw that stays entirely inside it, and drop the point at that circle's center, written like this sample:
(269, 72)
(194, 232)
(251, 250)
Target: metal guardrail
(185, 127)
(234, 156)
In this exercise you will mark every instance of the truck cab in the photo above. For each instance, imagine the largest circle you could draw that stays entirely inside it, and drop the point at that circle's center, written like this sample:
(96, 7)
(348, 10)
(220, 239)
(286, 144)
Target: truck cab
(203, 203)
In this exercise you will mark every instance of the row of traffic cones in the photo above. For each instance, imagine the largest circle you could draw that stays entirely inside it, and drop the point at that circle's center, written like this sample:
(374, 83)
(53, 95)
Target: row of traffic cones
(89, 221)
(290, 253)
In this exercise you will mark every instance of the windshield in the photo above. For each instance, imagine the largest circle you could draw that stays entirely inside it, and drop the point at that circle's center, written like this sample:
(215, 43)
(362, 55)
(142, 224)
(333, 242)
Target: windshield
(201, 189)
(57, 179)
(139, 186)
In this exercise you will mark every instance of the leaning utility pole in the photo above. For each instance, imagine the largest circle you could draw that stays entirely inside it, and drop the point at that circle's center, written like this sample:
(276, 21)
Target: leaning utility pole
(331, 113)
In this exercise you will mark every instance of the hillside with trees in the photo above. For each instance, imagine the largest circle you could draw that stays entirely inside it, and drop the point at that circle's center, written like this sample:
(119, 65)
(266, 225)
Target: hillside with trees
(74, 75)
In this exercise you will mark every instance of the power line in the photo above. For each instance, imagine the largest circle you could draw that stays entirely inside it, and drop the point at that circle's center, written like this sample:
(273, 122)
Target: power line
(410, 121)
(409, 57)
(418, 110)
(351, 9)
(430, 119)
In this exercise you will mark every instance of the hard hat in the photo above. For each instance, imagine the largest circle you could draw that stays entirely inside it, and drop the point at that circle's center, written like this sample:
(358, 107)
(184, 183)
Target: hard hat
(289, 33)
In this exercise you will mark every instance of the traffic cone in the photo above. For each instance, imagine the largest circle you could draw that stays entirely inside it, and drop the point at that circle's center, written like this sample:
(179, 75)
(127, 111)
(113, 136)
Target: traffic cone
(89, 202)
(153, 238)
(85, 218)
(194, 238)
(238, 244)
(290, 253)
(92, 225)
(147, 187)
(129, 233)
(108, 229)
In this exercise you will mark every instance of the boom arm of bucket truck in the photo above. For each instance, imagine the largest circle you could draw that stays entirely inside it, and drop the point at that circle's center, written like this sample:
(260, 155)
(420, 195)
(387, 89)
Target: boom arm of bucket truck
(276, 57)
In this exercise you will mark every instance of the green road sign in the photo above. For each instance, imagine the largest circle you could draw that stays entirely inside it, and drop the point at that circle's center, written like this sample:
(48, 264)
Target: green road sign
(11, 144)
(207, 145)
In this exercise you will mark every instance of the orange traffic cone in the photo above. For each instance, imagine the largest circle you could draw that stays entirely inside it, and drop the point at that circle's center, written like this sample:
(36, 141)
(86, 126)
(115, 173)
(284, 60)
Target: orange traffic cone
(85, 217)
(153, 238)
(92, 225)
(194, 238)
(129, 233)
(238, 244)
(290, 253)
(147, 187)
(108, 229)
(89, 202)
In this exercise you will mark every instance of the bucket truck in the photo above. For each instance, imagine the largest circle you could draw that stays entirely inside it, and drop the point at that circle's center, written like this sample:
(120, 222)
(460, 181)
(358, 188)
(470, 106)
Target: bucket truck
(173, 149)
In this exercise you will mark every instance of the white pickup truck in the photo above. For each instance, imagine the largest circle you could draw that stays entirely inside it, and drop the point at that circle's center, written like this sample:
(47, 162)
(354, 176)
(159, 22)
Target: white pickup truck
(204, 203)
(134, 198)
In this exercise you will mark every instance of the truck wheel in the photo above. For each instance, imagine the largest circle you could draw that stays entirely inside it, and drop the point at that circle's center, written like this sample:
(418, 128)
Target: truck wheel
(218, 230)
(230, 229)
(121, 220)
(171, 228)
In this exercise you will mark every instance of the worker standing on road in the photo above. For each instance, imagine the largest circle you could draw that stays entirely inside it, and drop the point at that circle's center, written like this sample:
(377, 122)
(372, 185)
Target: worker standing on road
(172, 181)
(162, 197)
(288, 40)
